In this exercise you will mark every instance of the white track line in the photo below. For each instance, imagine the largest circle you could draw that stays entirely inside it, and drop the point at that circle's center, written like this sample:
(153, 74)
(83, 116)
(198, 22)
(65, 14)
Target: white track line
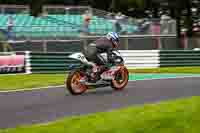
(32, 89)
(12, 74)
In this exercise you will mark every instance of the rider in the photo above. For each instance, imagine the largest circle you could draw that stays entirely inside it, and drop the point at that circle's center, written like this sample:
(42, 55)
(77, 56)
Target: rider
(102, 45)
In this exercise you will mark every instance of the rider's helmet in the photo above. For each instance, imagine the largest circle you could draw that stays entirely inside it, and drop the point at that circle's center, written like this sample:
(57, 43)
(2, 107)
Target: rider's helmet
(114, 38)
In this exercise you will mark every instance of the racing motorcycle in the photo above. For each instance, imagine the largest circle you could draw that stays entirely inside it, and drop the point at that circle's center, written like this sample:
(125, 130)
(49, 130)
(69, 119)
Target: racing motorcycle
(116, 75)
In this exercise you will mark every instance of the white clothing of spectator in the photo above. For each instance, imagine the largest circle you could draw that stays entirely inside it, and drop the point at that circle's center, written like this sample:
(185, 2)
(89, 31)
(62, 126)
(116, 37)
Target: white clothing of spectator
(165, 24)
(119, 18)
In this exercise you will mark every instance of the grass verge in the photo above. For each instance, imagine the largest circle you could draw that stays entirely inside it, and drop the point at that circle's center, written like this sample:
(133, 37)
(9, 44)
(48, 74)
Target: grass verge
(180, 116)
(14, 82)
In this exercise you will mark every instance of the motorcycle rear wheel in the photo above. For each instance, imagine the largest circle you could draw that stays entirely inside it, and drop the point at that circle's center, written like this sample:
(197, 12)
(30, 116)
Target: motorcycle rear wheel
(73, 84)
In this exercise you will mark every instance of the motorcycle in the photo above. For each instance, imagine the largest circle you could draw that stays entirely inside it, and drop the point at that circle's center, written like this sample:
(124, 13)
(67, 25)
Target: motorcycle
(115, 76)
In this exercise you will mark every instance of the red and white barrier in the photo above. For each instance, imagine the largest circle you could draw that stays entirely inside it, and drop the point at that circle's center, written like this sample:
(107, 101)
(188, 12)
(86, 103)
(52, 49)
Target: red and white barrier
(12, 63)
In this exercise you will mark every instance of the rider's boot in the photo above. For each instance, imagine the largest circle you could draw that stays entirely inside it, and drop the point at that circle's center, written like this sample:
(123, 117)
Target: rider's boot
(92, 75)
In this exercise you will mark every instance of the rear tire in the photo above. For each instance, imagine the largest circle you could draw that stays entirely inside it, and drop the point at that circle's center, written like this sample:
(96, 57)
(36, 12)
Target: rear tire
(119, 84)
(73, 84)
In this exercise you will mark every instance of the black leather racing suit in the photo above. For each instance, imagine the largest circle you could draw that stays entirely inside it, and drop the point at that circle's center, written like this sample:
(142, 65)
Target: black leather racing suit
(94, 50)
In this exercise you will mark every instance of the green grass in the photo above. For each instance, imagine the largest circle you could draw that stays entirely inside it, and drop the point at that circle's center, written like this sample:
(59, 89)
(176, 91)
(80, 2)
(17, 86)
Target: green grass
(13, 82)
(180, 116)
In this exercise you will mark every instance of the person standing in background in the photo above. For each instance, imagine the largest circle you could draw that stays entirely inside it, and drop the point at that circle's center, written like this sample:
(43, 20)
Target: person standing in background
(6, 47)
(7, 35)
(119, 18)
(164, 23)
(113, 21)
(155, 30)
(86, 21)
(85, 27)
(10, 25)
(116, 20)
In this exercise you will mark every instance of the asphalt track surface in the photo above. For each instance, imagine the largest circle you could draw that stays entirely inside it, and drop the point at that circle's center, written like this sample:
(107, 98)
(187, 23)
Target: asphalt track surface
(40, 106)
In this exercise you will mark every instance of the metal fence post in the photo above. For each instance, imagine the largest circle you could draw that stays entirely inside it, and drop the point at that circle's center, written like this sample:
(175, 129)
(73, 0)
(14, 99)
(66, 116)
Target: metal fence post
(27, 62)
(184, 40)
(45, 47)
(85, 43)
(126, 44)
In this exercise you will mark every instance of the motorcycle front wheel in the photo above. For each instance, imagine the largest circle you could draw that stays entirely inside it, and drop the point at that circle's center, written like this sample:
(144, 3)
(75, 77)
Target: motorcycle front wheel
(73, 84)
(121, 79)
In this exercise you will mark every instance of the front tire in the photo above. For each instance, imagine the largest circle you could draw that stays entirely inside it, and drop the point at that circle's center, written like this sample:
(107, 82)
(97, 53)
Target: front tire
(73, 83)
(121, 79)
